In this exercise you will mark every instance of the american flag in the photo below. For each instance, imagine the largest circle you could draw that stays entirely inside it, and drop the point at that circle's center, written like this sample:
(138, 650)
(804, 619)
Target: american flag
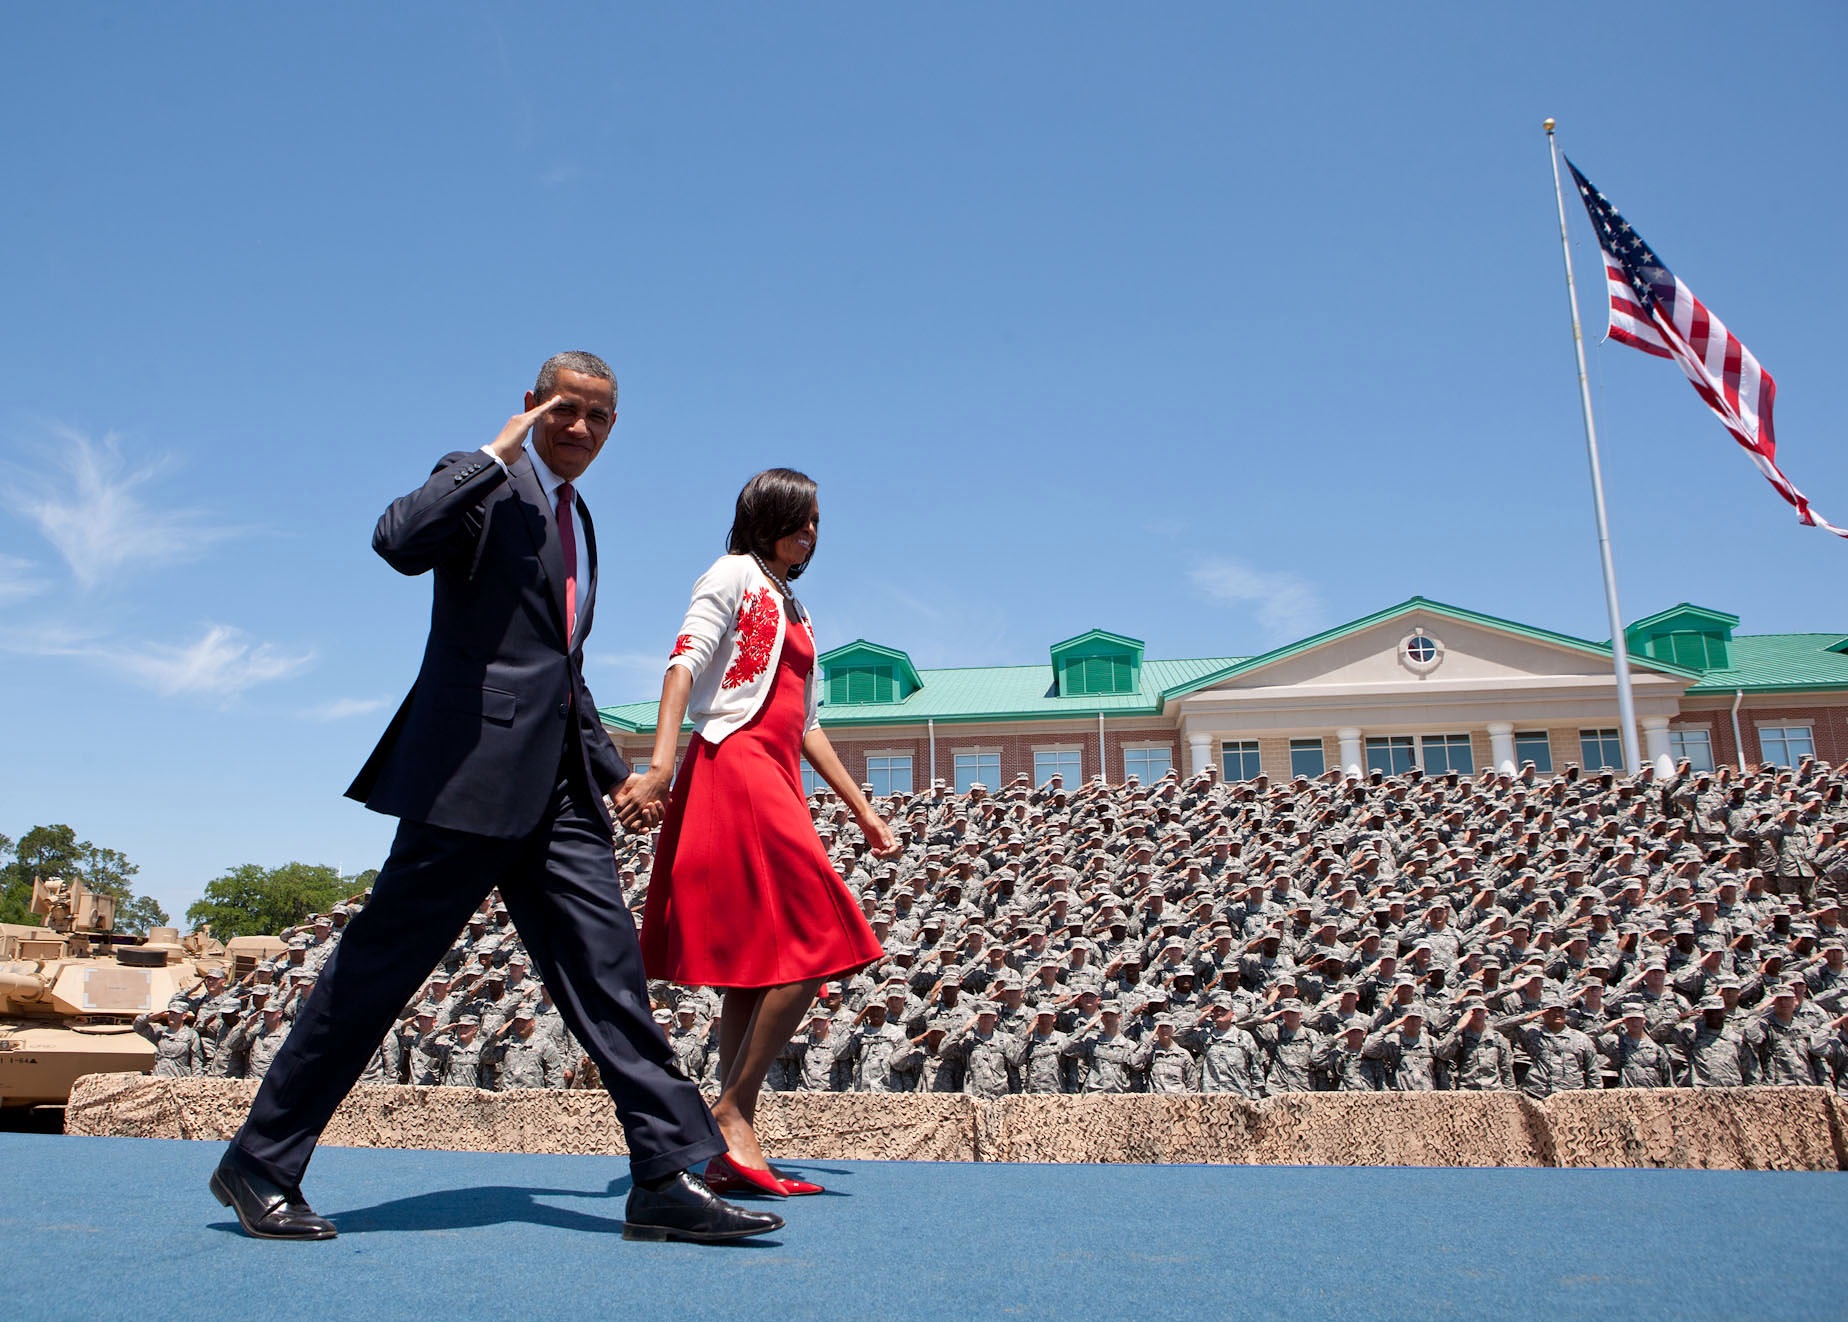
(1653, 311)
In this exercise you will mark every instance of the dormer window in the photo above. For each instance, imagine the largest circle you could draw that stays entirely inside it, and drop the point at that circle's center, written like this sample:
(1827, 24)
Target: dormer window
(1685, 635)
(863, 673)
(1097, 664)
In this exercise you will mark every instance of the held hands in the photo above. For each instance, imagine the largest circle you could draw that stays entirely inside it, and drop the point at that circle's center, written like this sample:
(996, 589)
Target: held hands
(506, 446)
(638, 802)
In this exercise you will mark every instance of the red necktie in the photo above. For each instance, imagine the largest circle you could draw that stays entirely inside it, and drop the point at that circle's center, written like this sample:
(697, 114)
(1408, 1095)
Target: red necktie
(567, 542)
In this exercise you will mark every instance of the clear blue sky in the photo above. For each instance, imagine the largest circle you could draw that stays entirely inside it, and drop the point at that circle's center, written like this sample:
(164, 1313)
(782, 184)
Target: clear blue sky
(1210, 324)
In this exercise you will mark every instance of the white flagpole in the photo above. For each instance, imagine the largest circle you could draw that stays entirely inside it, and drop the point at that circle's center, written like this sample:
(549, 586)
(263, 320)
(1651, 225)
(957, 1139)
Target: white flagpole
(1620, 652)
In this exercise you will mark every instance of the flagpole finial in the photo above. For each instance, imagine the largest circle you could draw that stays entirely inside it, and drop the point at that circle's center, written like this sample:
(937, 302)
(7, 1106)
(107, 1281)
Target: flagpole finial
(1548, 126)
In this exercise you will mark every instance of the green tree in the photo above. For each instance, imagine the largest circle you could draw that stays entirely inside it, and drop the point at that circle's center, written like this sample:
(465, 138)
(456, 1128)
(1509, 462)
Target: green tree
(55, 851)
(252, 900)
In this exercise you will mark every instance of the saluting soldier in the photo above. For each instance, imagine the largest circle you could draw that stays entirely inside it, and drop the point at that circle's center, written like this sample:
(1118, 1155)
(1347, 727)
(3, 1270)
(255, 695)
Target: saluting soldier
(1474, 1056)
(523, 1057)
(178, 1053)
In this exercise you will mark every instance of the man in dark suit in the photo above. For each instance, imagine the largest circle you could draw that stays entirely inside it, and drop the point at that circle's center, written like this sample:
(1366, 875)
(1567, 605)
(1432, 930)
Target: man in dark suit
(496, 766)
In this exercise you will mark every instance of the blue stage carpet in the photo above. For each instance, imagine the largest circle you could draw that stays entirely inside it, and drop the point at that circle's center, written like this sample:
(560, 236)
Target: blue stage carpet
(99, 1228)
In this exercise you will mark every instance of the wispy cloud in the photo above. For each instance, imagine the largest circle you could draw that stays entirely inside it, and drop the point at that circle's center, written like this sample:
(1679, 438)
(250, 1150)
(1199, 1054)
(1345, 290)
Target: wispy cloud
(914, 605)
(1287, 604)
(339, 709)
(220, 666)
(88, 500)
(19, 579)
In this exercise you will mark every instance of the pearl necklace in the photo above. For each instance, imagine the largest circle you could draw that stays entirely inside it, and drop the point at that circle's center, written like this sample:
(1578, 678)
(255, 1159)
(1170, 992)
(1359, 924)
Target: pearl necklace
(781, 586)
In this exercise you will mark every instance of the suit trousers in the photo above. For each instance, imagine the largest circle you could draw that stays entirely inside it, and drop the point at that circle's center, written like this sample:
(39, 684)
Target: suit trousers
(560, 887)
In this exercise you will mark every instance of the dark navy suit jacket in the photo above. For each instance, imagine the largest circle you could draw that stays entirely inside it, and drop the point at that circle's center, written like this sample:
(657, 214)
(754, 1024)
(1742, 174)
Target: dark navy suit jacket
(477, 744)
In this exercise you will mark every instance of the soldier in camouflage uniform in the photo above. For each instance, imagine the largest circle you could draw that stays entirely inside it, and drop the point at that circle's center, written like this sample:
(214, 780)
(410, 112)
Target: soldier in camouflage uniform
(178, 1053)
(1102, 1051)
(1408, 1062)
(876, 1047)
(1289, 1048)
(1230, 1059)
(266, 1041)
(1781, 1044)
(459, 1048)
(822, 1051)
(1341, 1059)
(1474, 1057)
(1167, 1066)
(1045, 1068)
(523, 1057)
(991, 1056)
(1635, 1056)
(1715, 1050)
(1561, 1059)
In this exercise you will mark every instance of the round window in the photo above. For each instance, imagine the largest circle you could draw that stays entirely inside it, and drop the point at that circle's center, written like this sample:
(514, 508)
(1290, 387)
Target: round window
(1420, 653)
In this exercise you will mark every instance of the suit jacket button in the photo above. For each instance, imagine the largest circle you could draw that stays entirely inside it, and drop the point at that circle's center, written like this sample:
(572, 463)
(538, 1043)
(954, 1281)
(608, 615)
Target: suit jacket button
(564, 709)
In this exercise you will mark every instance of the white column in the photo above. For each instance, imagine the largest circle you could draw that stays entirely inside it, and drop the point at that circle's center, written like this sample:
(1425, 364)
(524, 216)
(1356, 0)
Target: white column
(1349, 738)
(1655, 745)
(1501, 747)
(1199, 752)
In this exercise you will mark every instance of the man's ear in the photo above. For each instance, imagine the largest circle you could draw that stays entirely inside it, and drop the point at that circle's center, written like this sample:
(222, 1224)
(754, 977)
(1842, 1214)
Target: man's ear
(532, 402)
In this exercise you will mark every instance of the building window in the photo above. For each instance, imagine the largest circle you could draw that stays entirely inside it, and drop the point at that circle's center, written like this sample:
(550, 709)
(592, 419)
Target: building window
(1306, 758)
(1447, 752)
(1600, 750)
(1533, 746)
(1061, 762)
(973, 767)
(1239, 761)
(1390, 755)
(1695, 745)
(889, 773)
(1147, 764)
(1786, 745)
(811, 779)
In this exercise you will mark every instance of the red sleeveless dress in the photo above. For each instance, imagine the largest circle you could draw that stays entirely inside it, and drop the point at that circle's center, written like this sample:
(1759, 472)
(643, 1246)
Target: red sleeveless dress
(742, 893)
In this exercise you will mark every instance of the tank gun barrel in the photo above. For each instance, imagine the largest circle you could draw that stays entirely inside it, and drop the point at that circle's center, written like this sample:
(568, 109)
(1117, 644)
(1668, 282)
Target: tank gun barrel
(20, 984)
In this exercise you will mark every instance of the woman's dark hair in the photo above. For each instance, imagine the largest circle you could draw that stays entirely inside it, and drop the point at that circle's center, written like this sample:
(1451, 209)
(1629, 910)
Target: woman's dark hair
(772, 505)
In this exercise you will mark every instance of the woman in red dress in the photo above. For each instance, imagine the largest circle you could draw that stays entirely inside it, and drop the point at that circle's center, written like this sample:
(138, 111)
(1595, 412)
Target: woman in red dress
(743, 896)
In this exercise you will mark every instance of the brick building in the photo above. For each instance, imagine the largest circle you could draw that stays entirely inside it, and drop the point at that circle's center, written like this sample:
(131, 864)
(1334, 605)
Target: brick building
(1419, 683)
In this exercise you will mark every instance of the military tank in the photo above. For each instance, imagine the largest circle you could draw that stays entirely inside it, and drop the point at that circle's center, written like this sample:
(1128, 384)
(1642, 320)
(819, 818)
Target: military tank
(70, 991)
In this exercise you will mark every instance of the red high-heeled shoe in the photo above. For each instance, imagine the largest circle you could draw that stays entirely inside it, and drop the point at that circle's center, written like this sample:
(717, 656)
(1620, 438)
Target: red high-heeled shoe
(794, 1188)
(738, 1178)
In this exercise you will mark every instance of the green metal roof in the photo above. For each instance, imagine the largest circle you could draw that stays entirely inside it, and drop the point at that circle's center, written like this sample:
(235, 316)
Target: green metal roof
(989, 693)
(1772, 662)
(1761, 663)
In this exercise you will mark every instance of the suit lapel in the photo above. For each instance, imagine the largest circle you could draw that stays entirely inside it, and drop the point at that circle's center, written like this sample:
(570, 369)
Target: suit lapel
(544, 533)
(587, 600)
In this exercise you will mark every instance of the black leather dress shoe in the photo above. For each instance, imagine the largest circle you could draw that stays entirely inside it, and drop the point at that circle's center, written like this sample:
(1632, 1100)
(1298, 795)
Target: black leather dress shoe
(684, 1208)
(265, 1209)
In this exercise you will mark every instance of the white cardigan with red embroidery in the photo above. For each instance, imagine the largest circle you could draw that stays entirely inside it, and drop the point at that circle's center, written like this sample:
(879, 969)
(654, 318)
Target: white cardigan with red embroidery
(730, 644)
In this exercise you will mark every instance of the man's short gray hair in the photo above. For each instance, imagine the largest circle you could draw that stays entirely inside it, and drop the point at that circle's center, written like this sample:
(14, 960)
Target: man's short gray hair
(574, 360)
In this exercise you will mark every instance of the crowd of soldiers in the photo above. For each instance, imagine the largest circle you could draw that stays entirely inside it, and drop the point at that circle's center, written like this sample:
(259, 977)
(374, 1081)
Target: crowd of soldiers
(1374, 932)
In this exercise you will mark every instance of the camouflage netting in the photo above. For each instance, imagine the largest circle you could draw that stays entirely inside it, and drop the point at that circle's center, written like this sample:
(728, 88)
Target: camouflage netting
(1313, 1129)
(1781, 1129)
(1718, 1129)
(827, 1126)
